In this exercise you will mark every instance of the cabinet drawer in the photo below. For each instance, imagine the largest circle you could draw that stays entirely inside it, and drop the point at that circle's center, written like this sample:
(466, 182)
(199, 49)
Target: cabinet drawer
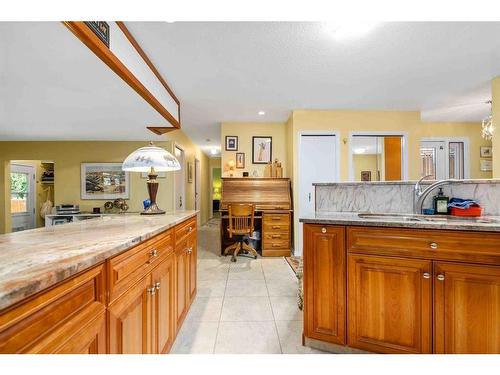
(276, 219)
(270, 236)
(127, 268)
(481, 247)
(30, 327)
(276, 244)
(276, 228)
(184, 229)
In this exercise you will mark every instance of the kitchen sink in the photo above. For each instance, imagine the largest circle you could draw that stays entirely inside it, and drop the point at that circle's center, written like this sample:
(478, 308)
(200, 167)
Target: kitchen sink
(429, 218)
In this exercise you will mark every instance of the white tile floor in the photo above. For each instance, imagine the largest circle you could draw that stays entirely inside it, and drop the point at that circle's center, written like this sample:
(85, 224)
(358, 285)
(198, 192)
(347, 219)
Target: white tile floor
(247, 307)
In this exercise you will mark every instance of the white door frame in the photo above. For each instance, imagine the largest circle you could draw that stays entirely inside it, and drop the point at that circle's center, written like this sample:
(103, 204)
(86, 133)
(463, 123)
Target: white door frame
(183, 170)
(297, 212)
(446, 141)
(404, 163)
(197, 188)
(32, 192)
(211, 189)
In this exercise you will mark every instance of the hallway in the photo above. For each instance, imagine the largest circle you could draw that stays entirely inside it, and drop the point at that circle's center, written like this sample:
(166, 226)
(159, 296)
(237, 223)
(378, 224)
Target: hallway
(247, 307)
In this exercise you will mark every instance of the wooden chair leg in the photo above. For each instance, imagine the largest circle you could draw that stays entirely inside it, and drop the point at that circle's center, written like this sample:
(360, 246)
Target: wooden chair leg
(230, 248)
(236, 251)
(250, 249)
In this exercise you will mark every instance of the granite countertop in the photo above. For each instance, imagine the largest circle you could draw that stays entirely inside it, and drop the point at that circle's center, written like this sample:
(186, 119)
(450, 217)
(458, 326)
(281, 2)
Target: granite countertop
(34, 260)
(406, 182)
(484, 223)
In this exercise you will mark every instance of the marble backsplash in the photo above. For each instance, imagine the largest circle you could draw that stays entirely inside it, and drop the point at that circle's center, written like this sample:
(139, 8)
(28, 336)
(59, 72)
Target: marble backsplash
(397, 197)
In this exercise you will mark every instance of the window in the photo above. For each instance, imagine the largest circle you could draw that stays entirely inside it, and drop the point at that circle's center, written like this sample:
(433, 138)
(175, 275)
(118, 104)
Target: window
(19, 192)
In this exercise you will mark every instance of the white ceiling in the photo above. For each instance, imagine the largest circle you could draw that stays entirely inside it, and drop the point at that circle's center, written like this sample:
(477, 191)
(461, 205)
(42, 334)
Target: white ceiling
(230, 71)
(52, 87)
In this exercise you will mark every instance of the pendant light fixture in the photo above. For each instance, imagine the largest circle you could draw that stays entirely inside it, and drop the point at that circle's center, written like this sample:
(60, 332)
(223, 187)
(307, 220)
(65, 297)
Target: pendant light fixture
(487, 126)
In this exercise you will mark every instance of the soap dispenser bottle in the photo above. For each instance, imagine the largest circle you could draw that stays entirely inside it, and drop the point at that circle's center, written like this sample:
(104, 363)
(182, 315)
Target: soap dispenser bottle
(441, 202)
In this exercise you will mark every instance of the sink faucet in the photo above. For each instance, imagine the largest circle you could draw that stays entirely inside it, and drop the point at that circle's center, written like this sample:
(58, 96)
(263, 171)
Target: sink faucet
(420, 194)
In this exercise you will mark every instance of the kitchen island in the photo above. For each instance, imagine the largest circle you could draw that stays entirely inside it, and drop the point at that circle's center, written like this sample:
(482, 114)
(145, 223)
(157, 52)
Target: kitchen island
(115, 284)
(401, 283)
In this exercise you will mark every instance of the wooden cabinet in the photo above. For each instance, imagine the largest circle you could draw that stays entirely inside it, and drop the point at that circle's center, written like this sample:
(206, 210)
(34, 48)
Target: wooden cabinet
(275, 234)
(389, 304)
(324, 283)
(133, 303)
(408, 290)
(130, 320)
(466, 308)
(163, 278)
(68, 318)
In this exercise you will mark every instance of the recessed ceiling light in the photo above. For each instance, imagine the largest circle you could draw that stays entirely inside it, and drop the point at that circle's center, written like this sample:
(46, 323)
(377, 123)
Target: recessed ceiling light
(349, 30)
(360, 150)
(261, 113)
(214, 151)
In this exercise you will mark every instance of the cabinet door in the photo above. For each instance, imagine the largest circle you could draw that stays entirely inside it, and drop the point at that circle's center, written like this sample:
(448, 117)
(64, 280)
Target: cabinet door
(389, 304)
(324, 283)
(130, 320)
(466, 308)
(163, 307)
(192, 260)
(181, 285)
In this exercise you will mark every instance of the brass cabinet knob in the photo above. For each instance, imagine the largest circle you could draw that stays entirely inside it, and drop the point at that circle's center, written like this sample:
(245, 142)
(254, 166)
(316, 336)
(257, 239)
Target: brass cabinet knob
(426, 275)
(190, 229)
(189, 250)
(323, 230)
(154, 253)
(440, 277)
(157, 286)
(152, 290)
(433, 245)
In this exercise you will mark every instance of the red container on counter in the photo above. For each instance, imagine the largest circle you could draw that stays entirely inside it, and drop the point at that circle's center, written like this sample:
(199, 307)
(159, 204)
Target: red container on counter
(472, 211)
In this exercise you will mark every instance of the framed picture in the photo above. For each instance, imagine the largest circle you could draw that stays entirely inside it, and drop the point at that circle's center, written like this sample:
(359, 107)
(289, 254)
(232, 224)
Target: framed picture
(240, 160)
(104, 181)
(486, 151)
(231, 143)
(486, 165)
(366, 175)
(262, 149)
(160, 174)
(190, 172)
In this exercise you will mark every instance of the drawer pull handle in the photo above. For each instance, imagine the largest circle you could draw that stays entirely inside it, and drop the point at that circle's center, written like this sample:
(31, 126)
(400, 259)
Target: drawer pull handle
(157, 286)
(189, 250)
(276, 227)
(433, 245)
(276, 236)
(276, 218)
(190, 229)
(276, 245)
(154, 253)
(427, 275)
(323, 230)
(440, 277)
(152, 290)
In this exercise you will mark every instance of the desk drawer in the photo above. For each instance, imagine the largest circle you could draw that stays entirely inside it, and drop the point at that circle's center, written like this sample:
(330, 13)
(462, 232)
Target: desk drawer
(182, 230)
(128, 267)
(270, 236)
(276, 219)
(480, 247)
(276, 244)
(276, 228)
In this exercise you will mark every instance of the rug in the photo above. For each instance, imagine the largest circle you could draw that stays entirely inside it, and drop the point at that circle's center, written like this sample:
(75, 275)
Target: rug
(294, 263)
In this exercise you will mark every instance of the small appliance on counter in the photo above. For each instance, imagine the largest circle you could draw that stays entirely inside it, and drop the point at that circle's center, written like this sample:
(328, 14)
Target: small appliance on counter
(68, 209)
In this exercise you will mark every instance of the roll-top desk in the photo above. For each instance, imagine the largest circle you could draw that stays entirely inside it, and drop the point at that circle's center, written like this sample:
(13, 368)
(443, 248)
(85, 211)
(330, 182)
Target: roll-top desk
(273, 211)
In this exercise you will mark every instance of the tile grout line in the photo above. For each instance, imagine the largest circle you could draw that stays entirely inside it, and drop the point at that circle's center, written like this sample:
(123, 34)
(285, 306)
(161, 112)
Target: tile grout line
(220, 314)
(272, 312)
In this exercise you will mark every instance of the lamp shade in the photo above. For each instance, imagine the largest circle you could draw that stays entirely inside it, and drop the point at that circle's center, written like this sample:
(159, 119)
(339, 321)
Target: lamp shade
(142, 159)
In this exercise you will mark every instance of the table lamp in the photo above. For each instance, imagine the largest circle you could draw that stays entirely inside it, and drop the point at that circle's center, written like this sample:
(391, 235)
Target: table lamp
(151, 159)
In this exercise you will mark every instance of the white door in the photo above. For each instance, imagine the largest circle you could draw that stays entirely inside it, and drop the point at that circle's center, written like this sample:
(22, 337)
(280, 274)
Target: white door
(180, 181)
(197, 188)
(433, 159)
(317, 163)
(22, 197)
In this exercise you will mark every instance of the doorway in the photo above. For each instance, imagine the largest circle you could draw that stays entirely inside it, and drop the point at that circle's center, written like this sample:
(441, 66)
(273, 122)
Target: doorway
(22, 197)
(318, 162)
(197, 189)
(180, 181)
(443, 158)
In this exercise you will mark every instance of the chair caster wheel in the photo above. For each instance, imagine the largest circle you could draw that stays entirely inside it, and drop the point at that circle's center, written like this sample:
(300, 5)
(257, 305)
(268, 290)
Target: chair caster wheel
(233, 259)
(255, 257)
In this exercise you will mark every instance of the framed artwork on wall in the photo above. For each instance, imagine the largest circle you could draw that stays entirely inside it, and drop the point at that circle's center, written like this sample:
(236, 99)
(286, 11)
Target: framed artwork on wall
(262, 149)
(231, 143)
(190, 172)
(104, 181)
(486, 151)
(366, 175)
(240, 160)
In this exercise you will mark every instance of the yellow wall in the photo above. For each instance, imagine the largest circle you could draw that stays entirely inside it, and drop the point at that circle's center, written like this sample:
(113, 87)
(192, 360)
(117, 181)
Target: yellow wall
(345, 122)
(495, 106)
(245, 131)
(68, 157)
(365, 162)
